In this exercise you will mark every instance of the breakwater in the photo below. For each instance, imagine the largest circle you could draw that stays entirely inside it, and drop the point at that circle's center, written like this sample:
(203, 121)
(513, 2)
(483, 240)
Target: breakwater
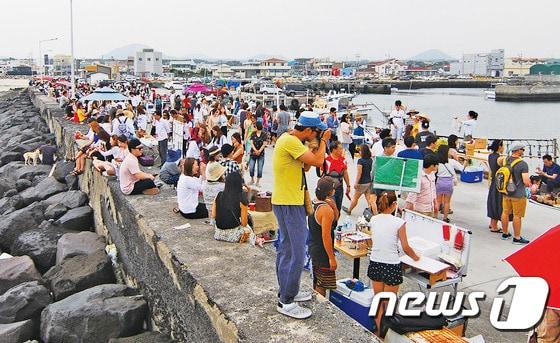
(196, 289)
(534, 92)
(57, 284)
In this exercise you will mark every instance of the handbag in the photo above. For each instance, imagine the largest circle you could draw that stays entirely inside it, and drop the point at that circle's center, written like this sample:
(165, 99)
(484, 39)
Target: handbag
(263, 202)
(306, 196)
(146, 160)
(401, 324)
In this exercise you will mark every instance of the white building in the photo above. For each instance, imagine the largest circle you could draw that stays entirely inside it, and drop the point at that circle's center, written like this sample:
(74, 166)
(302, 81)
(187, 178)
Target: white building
(222, 71)
(62, 65)
(481, 64)
(148, 63)
(182, 65)
(389, 67)
(274, 67)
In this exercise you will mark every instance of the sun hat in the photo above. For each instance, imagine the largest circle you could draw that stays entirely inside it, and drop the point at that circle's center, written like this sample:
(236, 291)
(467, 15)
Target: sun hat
(214, 171)
(214, 150)
(311, 119)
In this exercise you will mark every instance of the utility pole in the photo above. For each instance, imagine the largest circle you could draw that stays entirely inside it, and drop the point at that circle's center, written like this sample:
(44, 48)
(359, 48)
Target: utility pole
(72, 72)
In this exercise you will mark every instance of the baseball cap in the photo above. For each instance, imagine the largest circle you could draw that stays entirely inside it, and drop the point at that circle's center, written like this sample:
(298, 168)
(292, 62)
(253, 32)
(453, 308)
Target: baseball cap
(134, 143)
(311, 119)
(516, 146)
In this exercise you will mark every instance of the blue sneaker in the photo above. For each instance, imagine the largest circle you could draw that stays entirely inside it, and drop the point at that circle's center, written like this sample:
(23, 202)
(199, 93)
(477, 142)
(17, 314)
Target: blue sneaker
(506, 236)
(520, 240)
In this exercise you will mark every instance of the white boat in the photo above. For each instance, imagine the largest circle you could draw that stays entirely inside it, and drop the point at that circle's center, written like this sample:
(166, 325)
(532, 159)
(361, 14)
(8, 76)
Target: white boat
(490, 94)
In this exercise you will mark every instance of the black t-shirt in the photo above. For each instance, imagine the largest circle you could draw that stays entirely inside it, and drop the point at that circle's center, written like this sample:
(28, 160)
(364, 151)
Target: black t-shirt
(227, 215)
(366, 164)
(258, 142)
(48, 152)
(421, 138)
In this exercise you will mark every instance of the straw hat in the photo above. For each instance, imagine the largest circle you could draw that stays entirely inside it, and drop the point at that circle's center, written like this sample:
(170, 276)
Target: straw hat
(214, 171)
(423, 116)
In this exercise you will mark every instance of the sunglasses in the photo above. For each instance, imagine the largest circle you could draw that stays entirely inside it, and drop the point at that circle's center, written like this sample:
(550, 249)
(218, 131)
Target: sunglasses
(139, 148)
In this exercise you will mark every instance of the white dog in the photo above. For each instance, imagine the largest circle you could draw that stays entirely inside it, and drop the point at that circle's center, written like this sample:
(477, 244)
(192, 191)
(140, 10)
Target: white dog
(32, 156)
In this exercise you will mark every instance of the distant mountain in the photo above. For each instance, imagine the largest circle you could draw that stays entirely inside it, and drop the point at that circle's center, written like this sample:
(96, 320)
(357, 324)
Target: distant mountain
(125, 51)
(432, 55)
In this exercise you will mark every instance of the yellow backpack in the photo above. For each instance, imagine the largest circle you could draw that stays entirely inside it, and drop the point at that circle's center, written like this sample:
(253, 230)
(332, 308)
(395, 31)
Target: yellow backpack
(504, 180)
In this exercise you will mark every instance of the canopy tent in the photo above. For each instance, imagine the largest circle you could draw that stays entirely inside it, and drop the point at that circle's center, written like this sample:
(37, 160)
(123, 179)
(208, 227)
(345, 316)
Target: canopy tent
(105, 93)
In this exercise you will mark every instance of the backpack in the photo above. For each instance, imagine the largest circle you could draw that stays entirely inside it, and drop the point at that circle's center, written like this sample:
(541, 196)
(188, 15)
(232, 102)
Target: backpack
(123, 130)
(504, 178)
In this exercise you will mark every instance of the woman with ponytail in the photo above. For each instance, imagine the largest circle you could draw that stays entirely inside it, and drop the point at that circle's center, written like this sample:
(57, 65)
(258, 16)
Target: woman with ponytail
(384, 268)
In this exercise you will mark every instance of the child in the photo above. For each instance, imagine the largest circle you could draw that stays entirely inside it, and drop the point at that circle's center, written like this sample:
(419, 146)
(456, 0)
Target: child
(384, 268)
(321, 239)
(425, 202)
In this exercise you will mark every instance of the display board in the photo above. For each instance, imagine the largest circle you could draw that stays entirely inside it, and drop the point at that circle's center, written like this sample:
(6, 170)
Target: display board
(442, 234)
(395, 173)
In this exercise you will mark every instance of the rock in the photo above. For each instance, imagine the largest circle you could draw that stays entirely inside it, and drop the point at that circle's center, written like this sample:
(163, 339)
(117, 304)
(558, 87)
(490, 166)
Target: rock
(70, 199)
(22, 184)
(144, 337)
(94, 315)
(7, 204)
(5, 185)
(15, 223)
(78, 219)
(81, 243)
(30, 172)
(62, 169)
(78, 273)
(43, 190)
(8, 157)
(18, 332)
(39, 244)
(72, 182)
(55, 211)
(16, 270)
(37, 179)
(24, 301)
(10, 193)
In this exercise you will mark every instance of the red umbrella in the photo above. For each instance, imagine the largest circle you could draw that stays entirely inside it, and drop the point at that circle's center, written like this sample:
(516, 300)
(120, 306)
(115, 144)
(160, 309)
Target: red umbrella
(197, 87)
(541, 258)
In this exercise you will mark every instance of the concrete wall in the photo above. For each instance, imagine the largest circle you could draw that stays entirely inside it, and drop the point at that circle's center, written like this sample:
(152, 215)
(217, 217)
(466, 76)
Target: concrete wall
(527, 93)
(198, 289)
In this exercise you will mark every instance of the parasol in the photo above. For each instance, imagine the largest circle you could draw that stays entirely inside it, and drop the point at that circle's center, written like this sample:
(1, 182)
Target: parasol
(105, 93)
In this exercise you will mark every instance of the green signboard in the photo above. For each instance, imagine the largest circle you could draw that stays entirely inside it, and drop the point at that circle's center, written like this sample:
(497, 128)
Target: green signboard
(395, 173)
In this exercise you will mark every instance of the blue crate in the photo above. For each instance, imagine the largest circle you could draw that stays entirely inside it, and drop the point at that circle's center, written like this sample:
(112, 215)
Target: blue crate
(472, 176)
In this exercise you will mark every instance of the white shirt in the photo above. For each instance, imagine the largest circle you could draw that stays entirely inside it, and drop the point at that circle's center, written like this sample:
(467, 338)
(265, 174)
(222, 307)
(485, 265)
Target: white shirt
(142, 121)
(162, 129)
(345, 133)
(468, 127)
(385, 237)
(398, 117)
(377, 149)
(187, 193)
(187, 127)
(136, 100)
(193, 151)
(448, 169)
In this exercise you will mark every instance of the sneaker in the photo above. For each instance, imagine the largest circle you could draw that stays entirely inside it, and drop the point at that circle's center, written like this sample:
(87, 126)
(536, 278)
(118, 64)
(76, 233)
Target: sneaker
(303, 296)
(293, 310)
(506, 236)
(520, 240)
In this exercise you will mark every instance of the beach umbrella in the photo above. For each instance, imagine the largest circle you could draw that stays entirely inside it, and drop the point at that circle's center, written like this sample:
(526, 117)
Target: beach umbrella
(197, 87)
(540, 258)
(63, 83)
(105, 93)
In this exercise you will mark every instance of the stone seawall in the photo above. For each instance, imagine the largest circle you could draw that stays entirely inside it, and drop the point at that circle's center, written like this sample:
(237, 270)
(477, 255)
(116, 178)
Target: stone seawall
(198, 289)
(528, 93)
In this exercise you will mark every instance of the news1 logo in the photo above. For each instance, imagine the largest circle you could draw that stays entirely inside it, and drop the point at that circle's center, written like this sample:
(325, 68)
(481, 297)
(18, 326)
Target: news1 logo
(526, 309)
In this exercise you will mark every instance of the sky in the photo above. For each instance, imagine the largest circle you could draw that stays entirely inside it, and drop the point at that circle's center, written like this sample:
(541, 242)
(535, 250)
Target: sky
(370, 29)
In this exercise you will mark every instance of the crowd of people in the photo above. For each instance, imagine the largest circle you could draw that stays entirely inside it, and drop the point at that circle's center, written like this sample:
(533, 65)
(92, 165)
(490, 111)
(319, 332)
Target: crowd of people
(221, 156)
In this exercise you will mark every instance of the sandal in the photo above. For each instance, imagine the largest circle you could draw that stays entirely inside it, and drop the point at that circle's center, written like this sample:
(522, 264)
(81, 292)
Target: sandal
(76, 172)
(175, 210)
(496, 231)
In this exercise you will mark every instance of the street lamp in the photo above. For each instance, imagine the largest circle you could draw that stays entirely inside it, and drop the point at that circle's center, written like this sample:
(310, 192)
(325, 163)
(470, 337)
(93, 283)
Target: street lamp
(40, 54)
(72, 73)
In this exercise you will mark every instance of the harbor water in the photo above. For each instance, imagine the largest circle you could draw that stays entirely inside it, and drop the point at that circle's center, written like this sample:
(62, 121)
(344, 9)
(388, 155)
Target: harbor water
(537, 120)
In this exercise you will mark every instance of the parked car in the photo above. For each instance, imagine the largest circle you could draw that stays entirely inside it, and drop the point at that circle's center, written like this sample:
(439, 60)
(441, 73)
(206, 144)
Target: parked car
(177, 85)
(297, 89)
(269, 88)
